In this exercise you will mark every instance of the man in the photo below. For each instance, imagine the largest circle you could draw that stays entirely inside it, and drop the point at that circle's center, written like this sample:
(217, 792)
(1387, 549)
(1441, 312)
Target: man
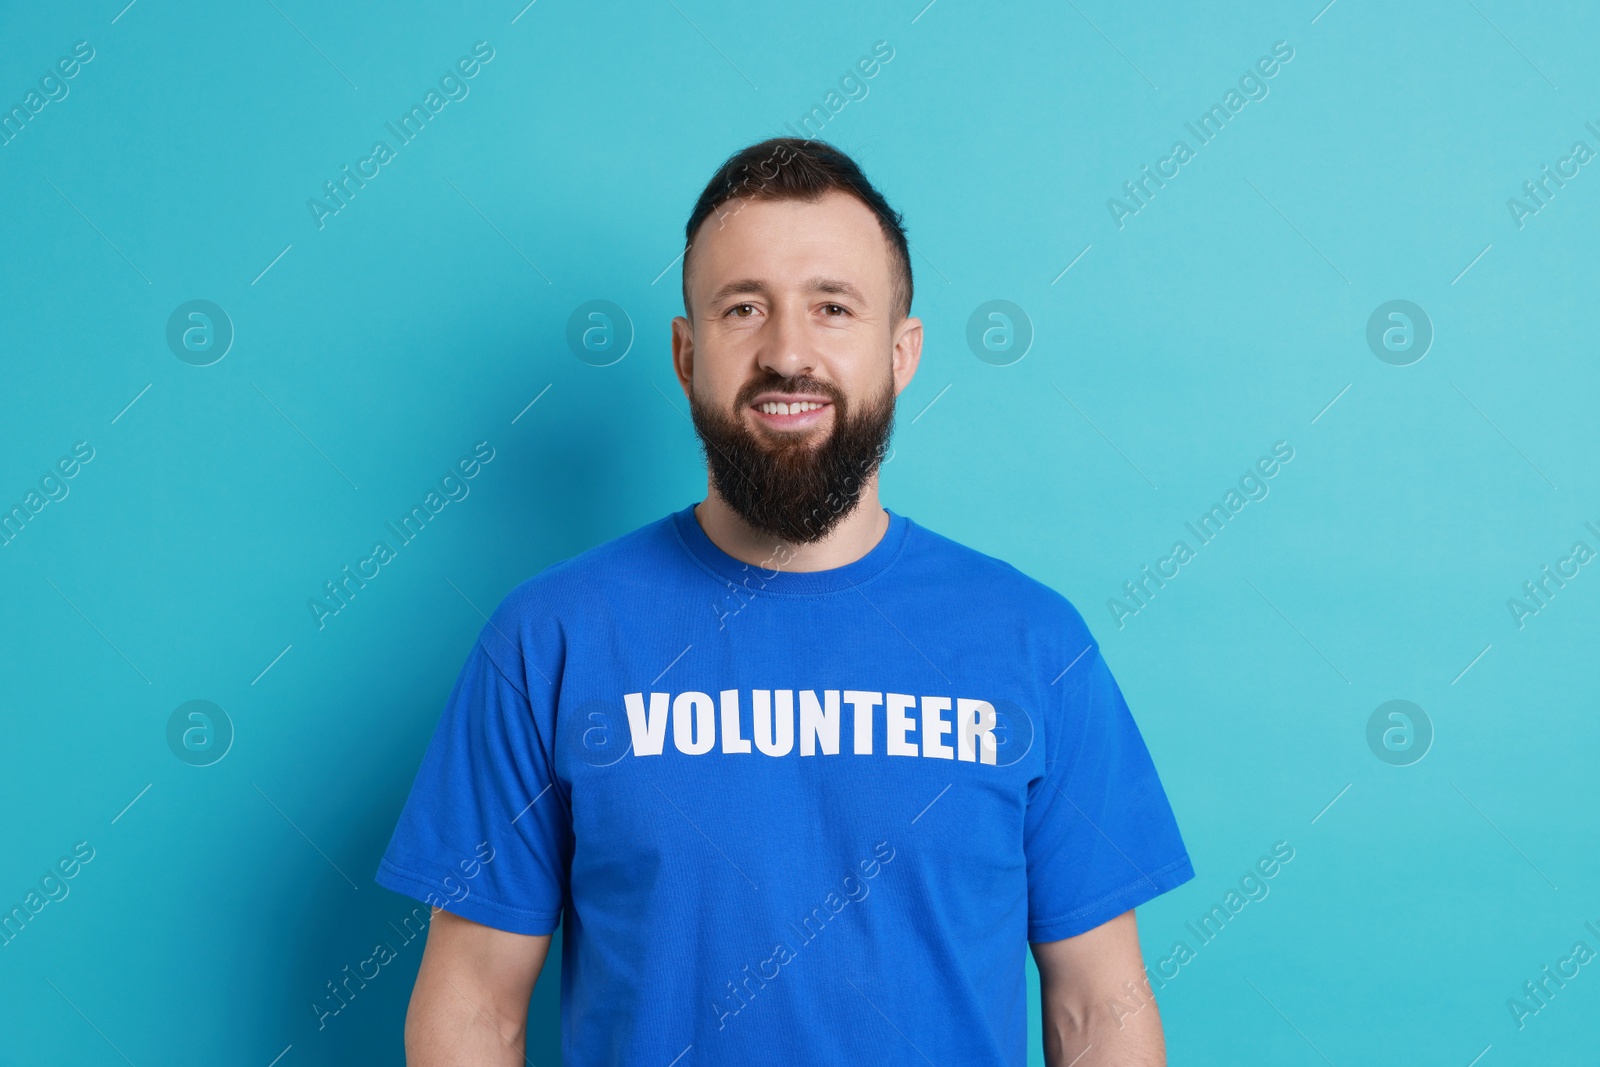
(799, 775)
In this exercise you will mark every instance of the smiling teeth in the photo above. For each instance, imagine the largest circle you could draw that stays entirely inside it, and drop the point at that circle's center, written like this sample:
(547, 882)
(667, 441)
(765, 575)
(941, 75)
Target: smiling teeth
(775, 408)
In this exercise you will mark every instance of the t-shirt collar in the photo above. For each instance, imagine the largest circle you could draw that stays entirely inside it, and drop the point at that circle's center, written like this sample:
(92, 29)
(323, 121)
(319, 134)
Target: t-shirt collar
(768, 579)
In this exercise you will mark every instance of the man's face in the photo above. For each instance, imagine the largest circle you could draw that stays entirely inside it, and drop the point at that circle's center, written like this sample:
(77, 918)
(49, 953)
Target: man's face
(791, 358)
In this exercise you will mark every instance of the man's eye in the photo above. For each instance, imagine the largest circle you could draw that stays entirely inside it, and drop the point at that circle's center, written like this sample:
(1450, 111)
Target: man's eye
(737, 307)
(830, 308)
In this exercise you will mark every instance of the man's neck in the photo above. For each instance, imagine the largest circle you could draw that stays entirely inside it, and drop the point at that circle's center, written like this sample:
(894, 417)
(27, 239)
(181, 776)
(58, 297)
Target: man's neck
(852, 537)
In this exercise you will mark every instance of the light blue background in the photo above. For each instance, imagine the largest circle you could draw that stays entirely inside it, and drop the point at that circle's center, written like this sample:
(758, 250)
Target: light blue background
(1225, 316)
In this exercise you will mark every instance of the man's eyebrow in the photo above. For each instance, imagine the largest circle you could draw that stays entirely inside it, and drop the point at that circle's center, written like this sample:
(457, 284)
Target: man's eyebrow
(834, 286)
(739, 287)
(837, 287)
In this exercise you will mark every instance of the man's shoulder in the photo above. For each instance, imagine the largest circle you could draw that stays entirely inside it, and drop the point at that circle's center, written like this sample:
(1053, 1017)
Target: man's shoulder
(540, 611)
(998, 581)
(628, 557)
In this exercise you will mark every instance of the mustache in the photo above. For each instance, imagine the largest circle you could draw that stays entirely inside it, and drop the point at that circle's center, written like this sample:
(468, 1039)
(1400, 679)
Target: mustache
(791, 387)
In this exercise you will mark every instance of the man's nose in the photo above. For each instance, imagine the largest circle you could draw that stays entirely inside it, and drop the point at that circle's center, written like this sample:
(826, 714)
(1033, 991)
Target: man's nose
(787, 347)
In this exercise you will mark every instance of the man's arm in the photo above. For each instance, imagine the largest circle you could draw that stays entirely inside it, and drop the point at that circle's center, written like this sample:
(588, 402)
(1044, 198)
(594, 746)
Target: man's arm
(470, 1004)
(1098, 1008)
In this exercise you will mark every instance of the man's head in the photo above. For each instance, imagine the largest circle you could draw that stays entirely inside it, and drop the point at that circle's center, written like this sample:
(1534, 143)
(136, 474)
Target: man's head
(796, 289)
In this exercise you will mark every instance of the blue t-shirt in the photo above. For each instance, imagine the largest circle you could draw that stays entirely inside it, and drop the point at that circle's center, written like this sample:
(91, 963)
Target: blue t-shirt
(798, 817)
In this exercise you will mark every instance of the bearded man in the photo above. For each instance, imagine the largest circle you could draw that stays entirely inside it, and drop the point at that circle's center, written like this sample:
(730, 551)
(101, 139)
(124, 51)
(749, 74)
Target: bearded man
(797, 777)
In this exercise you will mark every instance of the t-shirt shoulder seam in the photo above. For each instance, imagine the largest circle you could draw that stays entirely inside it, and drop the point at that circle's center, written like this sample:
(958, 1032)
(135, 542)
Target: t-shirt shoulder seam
(527, 701)
(1092, 650)
(501, 670)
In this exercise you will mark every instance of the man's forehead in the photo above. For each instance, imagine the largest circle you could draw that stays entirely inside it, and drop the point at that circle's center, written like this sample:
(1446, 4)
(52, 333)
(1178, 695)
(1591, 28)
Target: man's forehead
(836, 239)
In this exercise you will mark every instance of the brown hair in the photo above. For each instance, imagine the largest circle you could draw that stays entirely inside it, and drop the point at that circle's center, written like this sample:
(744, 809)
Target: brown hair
(789, 168)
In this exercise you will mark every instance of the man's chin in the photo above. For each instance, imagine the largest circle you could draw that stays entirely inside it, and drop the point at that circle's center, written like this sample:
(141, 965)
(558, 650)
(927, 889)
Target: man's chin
(784, 444)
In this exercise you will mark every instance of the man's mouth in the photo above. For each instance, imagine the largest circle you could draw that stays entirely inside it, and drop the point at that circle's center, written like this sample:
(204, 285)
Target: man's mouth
(791, 415)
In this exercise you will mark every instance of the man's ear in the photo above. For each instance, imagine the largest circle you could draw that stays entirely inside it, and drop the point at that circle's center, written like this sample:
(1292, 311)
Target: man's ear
(683, 352)
(907, 352)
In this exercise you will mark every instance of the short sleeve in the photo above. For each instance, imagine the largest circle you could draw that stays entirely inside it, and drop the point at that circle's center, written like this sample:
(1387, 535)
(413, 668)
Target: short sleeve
(485, 832)
(1099, 837)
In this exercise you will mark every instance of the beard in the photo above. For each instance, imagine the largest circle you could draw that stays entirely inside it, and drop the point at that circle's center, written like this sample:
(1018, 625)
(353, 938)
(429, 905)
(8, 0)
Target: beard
(791, 487)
